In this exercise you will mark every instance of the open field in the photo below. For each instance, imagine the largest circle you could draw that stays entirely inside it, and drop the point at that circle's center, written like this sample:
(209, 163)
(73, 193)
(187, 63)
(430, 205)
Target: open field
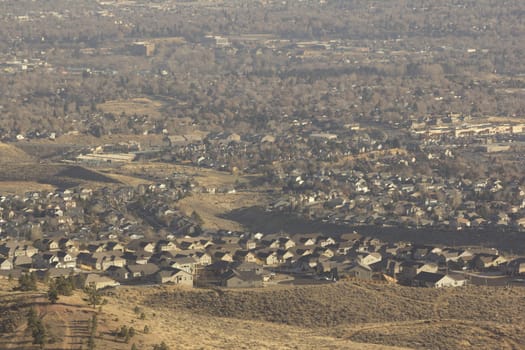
(21, 187)
(67, 323)
(12, 154)
(139, 106)
(212, 207)
(465, 318)
(202, 177)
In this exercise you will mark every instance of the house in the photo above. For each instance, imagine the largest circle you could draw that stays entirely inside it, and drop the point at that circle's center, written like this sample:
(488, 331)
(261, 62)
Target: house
(285, 256)
(369, 258)
(420, 252)
(268, 258)
(246, 256)
(68, 245)
(119, 274)
(65, 260)
(140, 246)
(166, 246)
(142, 271)
(23, 261)
(304, 251)
(409, 269)
(345, 247)
(12, 249)
(325, 241)
(248, 244)
(285, 243)
(202, 258)
(185, 263)
(5, 264)
(486, 261)
(438, 280)
(241, 279)
(358, 271)
(249, 267)
(114, 247)
(307, 241)
(49, 244)
(96, 248)
(175, 276)
(222, 256)
(99, 261)
(516, 267)
(455, 255)
(307, 263)
(393, 267)
(99, 281)
(137, 257)
(45, 260)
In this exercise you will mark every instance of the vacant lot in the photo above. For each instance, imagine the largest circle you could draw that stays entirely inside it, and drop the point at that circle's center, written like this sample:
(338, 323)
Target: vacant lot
(139, 106)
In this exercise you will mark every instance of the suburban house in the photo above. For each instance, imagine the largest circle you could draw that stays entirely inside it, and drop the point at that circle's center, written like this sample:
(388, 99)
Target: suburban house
(241, 279)
(166, 246)
(438, 280)
(119, 274)
(175, 276)
(142, 271)
(409, 269)
(486, 261)
(5, 264)
(99, 281)
(369, 258)
(516, 267)
(356, 270)
(185, 263)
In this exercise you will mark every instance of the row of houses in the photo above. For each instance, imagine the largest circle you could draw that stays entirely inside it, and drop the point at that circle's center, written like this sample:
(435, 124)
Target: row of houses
(243, 260)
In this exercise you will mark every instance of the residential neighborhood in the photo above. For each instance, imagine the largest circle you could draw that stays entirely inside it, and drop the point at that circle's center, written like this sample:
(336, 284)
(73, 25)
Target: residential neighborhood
(243, 260)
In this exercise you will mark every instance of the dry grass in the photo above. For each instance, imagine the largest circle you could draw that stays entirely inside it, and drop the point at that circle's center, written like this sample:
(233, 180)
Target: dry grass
(68, 322)
(211, 207)
(467, 318)
(12, 154)
(21, 187)
(190, 329)
(346, 315)
(139, 106)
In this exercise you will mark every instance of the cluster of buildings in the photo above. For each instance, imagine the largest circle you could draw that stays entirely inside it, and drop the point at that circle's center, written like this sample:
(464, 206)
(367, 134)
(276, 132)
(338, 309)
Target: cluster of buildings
(386, 199)
(105, 213)
(240, 260)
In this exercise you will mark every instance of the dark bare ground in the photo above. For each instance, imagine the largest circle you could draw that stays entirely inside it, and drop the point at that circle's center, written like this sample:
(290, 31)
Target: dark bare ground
(256, 219)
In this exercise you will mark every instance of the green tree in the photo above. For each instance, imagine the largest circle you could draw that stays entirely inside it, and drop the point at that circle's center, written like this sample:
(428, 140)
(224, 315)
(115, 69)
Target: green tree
(93, 295)
(27, 282)
(94, 323)
(91, 343)
(32, 318)
(64, 285)
(39, 334)
(52, 294)
(161, 346)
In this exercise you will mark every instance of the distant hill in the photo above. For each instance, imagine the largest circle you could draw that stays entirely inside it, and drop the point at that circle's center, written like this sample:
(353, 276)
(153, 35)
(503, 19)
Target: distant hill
(13, 154)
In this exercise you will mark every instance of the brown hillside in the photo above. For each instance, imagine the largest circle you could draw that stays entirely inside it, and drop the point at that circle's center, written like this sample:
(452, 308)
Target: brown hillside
(12, 154)
(466, 318)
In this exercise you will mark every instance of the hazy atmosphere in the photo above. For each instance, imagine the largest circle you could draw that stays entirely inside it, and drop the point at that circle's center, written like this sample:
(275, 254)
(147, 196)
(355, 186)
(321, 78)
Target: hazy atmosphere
(329, 174)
